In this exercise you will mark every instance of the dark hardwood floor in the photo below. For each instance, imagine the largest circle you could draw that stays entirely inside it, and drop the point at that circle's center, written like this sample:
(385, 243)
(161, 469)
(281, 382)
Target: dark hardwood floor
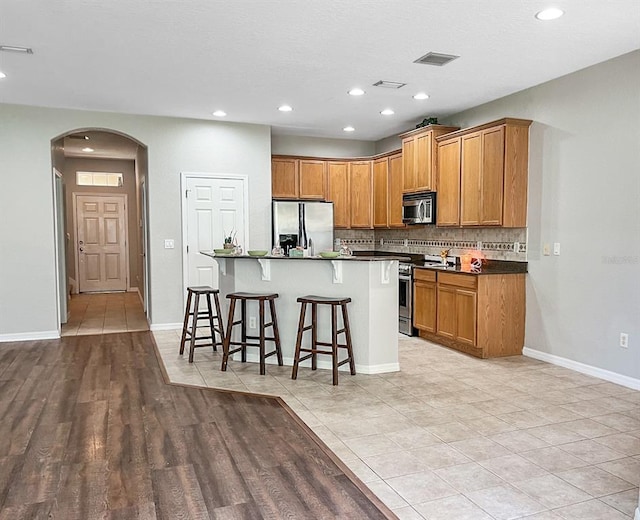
(90, 429)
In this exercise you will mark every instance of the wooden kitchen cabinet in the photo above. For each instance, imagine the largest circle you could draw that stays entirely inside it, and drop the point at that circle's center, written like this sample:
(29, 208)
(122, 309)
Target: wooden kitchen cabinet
(419, 157)
(338, 192)
(482, 175)
(313, 179)
(381, 193)
(395, 191)
(424, 300)
(448, 197)
(284, 178)
(457, 307)
(482, 315)
(304, 179)
(360, 194)
(387, 192)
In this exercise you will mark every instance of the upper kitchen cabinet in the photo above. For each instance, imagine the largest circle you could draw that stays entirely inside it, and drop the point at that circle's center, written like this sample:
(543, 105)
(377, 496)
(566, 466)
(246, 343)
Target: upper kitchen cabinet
(419, 155)
(490, 177)
(338, 192)
(313, 179)
(360, 194)
(284, 178)
(387, 192)
(298, 178)
(448, 173)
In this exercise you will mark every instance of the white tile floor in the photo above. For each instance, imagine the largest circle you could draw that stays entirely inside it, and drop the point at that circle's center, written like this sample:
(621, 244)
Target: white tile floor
(451, 437)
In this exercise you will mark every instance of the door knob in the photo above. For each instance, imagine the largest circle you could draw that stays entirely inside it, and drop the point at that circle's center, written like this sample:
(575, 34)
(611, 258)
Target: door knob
(82, 250)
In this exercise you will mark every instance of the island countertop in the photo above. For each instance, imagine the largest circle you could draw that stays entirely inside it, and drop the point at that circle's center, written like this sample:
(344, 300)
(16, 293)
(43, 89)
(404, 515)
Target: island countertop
(351, 258)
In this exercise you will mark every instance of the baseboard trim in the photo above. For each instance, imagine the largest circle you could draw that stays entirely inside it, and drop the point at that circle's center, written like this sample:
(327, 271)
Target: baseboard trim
(607, 375)
(637, 515)
(165, 326)
(30, 336)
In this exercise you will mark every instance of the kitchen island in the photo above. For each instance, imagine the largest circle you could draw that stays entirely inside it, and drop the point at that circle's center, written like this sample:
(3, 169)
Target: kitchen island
(370, 282)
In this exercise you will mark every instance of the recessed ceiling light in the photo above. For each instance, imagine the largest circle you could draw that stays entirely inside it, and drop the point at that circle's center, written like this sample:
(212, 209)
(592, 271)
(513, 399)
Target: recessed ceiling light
(421, 95)
(2, 75)
(87, 149)
(219, 113)
(387, 112)
(549, 14)
(356, 92)
(349, 129)
(285, 108)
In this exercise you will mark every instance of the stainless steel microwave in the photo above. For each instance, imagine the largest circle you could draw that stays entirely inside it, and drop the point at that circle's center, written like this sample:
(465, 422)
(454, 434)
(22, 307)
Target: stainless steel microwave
(419, 208)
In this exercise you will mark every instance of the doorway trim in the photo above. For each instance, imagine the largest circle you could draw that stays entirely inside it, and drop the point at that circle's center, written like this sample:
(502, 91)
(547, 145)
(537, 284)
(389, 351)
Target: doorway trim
(76, 289)
(184, 177)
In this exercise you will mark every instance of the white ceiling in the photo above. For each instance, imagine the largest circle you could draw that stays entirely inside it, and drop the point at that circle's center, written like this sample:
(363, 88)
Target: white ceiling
(187, 58)
(105, 145)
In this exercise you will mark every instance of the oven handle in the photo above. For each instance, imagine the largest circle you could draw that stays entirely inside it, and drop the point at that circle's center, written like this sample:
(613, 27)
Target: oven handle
(405, 277)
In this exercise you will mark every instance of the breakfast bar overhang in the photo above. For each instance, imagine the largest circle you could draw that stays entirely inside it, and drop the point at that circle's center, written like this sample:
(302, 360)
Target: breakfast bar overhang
(370, 282)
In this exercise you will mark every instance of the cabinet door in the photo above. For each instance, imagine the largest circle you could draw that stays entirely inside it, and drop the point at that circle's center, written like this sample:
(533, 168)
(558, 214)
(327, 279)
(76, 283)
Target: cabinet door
(448, 197)
(395, 191)
(466, 312)
(360, 192)
(381, 193)
(424, 305)
(408, 164)
(422, 163)
(313, 179)
(470, 180)
(284, 178)
(338, 192)
(492, 182)
(446, 311)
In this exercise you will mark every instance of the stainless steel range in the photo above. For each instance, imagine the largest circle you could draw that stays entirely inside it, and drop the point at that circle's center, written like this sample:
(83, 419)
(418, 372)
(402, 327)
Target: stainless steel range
(405, 299)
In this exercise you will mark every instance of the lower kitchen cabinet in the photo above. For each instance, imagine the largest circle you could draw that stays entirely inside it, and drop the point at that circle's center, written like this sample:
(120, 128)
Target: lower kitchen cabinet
(482, 315)
(424, 300)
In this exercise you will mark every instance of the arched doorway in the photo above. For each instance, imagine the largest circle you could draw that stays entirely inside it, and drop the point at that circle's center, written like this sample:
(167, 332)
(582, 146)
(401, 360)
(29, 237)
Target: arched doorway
(100, 181)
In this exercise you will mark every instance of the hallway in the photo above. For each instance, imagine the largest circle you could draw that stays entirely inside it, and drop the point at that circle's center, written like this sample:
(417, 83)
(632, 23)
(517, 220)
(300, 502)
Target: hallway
(105, 313)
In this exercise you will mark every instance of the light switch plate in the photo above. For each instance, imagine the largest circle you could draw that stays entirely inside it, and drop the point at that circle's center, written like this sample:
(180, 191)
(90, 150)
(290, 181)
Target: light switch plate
(546, 249)
(169, 243)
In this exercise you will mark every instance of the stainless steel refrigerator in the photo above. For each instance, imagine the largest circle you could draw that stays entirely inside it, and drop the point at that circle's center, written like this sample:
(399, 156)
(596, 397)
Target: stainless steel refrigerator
(303, 224)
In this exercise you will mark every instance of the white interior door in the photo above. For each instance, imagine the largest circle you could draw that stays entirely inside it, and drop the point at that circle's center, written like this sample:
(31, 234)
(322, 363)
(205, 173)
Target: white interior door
(215, 207)
(101, 223)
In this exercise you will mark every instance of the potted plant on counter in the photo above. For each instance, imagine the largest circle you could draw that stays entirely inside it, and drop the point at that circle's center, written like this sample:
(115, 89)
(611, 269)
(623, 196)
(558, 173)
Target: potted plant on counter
(229, 240)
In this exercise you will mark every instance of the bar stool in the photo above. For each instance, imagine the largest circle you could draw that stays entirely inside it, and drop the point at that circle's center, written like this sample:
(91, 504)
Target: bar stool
(314, 350)
(242, 345)
(189, 332)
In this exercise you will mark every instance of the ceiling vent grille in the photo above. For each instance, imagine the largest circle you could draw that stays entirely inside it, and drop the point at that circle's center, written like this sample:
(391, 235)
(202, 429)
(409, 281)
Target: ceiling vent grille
(389, 84)
(435, 58)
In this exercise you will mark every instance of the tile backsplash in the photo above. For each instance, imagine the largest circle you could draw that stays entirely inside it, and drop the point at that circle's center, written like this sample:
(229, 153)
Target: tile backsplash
(496, 243)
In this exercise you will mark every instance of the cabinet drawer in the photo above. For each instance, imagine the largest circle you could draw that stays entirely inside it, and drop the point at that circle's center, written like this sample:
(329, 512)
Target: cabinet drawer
(458, 280)
(425, 275)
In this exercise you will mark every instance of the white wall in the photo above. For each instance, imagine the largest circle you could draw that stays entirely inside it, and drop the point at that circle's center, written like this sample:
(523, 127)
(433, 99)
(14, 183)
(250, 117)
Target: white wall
(27, 275)
(321, 147)
(584, 192)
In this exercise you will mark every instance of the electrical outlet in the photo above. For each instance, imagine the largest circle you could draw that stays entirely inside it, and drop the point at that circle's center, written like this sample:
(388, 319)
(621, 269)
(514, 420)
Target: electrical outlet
(252, 322)
(546, 249)
(516, 247)
(556, 248)
(169, 243)
(406, 242)
(624, 340)
(382, 241)
(479, 245)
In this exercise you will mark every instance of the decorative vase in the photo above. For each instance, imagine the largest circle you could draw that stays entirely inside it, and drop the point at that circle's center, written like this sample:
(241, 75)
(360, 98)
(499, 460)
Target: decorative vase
(228, 245)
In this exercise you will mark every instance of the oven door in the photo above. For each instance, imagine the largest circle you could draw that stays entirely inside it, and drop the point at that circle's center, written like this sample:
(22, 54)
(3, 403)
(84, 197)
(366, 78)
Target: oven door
(405, 301)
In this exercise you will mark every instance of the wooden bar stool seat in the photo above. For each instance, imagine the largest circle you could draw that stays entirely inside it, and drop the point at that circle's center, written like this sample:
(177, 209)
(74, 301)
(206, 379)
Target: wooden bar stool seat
(313, 350)
(190, 326)
(262, 338)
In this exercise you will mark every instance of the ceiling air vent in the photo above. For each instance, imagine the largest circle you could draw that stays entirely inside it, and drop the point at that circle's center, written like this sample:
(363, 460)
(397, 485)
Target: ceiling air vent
(388, 84)
(435, 58)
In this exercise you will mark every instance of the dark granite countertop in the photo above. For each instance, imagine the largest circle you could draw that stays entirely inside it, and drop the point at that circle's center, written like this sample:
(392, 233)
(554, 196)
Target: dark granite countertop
(354, 258)
(489, 267)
